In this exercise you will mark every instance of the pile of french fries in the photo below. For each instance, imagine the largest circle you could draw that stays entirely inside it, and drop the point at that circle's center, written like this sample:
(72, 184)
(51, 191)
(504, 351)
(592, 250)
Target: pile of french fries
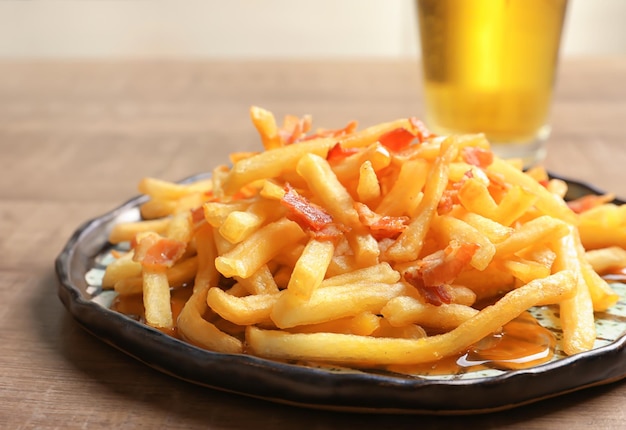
(366, 247)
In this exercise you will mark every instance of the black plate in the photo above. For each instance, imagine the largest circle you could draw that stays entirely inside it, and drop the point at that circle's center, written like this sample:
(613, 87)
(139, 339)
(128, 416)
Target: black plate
(79, 268)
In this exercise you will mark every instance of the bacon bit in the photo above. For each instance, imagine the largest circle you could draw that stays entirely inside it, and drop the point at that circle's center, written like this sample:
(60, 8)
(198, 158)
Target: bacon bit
(444, 266)
(497, 185)
(448, 199)
(422, 133)
(381, 226)
(338, 153)
(450, 195)
(339, 132)
(435, 295)
(133, 242)
(156, 251)
(478, 157)
(197, 214)
(589, 201)
(331, 232)
(441, 268)
(308, 215)
(397, 139)
(294, 128)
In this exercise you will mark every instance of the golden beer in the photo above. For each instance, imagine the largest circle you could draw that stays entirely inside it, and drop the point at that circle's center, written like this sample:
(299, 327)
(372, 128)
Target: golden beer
(489, 67)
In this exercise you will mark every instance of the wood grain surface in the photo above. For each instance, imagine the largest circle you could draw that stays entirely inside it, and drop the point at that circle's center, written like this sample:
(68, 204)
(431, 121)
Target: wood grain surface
(75, 139)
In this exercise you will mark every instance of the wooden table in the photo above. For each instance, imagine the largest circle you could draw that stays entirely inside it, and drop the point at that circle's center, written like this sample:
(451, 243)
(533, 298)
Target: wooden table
(75, 138)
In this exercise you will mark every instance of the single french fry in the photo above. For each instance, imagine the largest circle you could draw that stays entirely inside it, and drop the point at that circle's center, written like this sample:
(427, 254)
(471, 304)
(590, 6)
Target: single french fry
(364, 247)
(121, 268)
(157, 188)
(603, 227)
(368, 187)
(271, 164)
(404, 310)
(604, 259)
(381, 272)
(247, 310)
(156, 298)
(475, 197)
(493, 230)
(199, 331)
(265, 124)
(249, 255)
(127, 231)
(310, 268)
(576, 313)
(364, 324)
(542, 229)
(157, 208)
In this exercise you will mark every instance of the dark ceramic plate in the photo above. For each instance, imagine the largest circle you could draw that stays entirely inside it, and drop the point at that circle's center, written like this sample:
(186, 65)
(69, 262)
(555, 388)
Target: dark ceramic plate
(79, 268)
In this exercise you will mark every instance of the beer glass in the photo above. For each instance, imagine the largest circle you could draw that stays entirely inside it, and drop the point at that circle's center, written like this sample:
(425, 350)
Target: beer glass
(489, 67)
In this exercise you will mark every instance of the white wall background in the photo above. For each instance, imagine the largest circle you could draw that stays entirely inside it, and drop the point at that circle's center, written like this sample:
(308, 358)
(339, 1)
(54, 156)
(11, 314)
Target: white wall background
(254, 28)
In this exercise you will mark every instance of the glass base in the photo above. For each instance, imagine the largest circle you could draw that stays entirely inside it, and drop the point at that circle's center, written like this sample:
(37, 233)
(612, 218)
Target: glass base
(530, 153)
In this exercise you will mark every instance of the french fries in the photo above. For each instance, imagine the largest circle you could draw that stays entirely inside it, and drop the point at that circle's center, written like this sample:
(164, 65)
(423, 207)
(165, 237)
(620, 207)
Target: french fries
(368, 248)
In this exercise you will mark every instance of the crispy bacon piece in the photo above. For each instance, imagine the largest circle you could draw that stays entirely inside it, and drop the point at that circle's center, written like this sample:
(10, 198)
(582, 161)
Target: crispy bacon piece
(308, 215)
(396, 139)
(294, 128)
(338, 153)
(589, 201)
(497, 185)
(197, 215)
(155, 251)
(332, 233)
(339, 132)
(440, 268)
(450, 195)
(421, 132)
(435, 295)
(381, 226)
(477, 156)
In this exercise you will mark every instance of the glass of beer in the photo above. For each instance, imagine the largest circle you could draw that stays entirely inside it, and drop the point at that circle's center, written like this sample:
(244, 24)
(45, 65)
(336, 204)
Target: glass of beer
(489, 67)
